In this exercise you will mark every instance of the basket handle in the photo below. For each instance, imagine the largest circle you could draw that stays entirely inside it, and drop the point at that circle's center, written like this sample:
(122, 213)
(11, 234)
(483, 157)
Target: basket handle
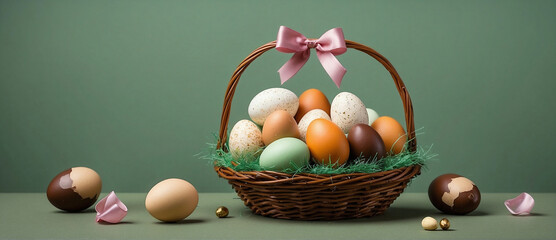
(402, 90)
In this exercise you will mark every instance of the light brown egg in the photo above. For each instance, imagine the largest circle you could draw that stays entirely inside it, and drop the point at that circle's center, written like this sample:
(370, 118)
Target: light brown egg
(391, 132)
(279, 124)
(312, 99)
(172, 200)
(327, 143)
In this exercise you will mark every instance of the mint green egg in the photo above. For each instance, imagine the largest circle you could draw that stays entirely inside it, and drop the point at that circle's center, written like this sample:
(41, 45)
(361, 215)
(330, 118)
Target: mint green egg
(285, 153)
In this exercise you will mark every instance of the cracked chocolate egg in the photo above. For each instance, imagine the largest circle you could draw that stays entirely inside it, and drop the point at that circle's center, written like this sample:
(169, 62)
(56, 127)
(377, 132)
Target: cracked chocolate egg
(74, 189)
(454, 194)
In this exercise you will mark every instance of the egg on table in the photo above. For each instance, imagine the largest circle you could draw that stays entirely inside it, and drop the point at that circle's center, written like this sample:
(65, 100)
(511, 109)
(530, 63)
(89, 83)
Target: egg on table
(454, 194)
(245, 140)
(74, 189)
(270, 100)
(312, 99)
(347, 110)
(392, 133)
(285, 153)
(308, 118)
(172, 200)
(279, 124)
(327, 143)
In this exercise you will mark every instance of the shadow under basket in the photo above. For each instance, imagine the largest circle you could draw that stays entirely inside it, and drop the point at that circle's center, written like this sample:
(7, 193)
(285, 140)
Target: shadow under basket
(306, 196)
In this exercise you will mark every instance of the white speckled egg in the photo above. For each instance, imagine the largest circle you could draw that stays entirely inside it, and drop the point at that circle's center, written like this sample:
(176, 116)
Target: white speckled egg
(347, 110)
(270, 100)
(245, 139)
(308, 118)
(373, 115)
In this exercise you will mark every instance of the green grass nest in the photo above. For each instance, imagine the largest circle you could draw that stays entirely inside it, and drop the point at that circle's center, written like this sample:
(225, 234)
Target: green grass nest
(406, 158)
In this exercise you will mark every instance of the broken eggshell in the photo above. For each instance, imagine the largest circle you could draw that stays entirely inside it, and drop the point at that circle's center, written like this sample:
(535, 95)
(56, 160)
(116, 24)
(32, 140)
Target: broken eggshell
(520, 205)
(110, 209)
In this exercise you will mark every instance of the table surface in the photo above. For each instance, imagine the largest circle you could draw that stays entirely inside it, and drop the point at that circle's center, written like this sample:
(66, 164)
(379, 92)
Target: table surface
(30, 216)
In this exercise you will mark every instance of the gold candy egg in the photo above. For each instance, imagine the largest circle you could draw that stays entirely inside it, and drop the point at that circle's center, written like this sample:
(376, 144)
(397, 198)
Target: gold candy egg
(444, 224)
(222, 212)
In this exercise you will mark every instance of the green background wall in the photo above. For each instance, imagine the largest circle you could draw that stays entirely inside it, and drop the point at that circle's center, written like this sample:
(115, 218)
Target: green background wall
(133, 89)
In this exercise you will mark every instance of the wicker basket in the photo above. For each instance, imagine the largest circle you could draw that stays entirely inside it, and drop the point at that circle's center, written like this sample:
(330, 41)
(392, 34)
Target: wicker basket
(318, 197)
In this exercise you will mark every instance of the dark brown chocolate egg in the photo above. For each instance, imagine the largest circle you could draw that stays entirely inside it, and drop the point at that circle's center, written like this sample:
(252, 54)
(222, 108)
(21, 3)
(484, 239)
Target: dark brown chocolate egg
(366, 142)
(74, 189)
(454, 194)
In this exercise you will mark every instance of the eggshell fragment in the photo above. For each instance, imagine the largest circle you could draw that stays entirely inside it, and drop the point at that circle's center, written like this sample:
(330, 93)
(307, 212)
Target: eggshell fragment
(271, 100)
(110, 209)
(245, 140)
(520, 205)
(308, 118)
(347, 110)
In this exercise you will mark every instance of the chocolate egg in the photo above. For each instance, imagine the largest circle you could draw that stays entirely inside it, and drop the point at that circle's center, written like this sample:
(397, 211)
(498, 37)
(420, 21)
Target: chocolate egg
(364, 141)
(74, 189)
(454, 194)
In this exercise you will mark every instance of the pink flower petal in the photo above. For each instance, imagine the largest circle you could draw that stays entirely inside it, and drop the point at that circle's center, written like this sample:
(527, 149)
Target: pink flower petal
(520, 205)
(110, 209)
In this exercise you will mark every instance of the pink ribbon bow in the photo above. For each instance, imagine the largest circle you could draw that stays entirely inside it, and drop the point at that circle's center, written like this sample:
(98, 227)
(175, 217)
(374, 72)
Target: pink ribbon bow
(331, 43)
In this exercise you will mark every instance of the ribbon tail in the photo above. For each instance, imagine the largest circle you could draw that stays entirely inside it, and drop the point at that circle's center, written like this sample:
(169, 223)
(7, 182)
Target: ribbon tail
(292, 66)
(332, 66)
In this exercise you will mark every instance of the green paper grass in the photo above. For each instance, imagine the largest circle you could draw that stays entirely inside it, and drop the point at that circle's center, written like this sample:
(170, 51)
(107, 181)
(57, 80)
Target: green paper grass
(222, 158)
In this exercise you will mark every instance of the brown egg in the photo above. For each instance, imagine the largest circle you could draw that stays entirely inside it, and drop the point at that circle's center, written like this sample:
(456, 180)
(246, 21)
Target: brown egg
(392, 133)
(454, 194)
(312, 99)
(327, 143)
(364, 141)
(279, 124)
(74, 189)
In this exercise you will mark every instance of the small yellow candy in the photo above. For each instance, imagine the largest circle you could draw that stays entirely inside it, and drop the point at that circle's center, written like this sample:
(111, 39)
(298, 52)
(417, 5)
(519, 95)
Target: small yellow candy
(444, 224)
(429, 223)
(222, 212)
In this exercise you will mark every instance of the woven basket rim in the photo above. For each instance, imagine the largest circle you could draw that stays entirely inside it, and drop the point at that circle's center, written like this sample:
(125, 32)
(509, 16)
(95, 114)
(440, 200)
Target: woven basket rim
(273, 177)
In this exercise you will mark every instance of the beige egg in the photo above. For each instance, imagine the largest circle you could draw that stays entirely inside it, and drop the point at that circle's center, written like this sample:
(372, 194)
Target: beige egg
(279, 124)
(271, 100)
(308, 118)
(172, 200)
(429, 223)
(245, 140)
(347, 110)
